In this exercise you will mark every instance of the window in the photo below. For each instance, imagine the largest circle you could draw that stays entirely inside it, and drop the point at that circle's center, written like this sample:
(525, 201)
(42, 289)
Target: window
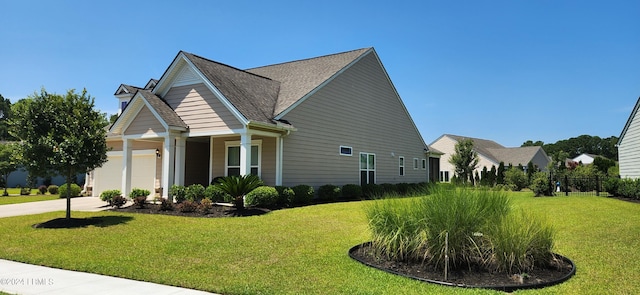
(367, 168)
(233, 158)
(401, 165)
(444, 176)
(123, 105)
(424, 164)
(346, 151)
(415, 163)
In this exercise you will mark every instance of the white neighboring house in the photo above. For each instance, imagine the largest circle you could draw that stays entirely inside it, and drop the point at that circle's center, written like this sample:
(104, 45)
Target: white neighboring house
(629, 146)
(585, 159)
(490, 153)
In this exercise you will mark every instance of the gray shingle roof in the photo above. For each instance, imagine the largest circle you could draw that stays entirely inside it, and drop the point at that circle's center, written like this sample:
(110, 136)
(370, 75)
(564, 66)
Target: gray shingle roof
(498, 153)
(481, 146)
(163, 109)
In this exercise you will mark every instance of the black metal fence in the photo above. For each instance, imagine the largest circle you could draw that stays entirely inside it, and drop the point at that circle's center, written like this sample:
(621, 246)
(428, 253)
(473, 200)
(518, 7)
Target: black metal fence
(585, 186)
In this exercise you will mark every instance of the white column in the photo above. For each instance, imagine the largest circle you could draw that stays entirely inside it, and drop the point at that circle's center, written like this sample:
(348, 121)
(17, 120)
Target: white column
(211, 176)
(127, 159)
(181, 144)
(245, 154)
(168, 168)
(279, 149)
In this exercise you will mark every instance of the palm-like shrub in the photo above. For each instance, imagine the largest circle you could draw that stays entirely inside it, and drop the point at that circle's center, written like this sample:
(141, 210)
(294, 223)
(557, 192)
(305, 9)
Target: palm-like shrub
(239, 186)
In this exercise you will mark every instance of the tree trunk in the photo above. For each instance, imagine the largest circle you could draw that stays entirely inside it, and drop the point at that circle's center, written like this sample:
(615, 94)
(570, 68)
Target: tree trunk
(68, 216)
(239, 202)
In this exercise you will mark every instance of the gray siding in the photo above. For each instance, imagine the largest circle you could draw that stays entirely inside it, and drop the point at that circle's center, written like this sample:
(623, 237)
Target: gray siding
(629, 150)
(359, 109)
(200, 109)
(144, 123)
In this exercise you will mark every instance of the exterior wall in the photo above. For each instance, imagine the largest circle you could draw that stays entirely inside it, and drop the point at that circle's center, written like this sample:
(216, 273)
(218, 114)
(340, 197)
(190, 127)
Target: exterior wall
(358, 109)
(267, 160)
(629, 150)
(145, 123)
(447, 145)
(541, 160)
(200, 109)
(584, 158)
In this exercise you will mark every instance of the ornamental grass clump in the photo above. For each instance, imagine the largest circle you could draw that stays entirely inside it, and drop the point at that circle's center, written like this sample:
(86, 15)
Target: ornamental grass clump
(458, 229)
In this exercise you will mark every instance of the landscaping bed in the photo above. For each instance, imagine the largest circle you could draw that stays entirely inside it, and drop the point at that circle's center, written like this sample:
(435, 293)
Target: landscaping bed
(214, 211)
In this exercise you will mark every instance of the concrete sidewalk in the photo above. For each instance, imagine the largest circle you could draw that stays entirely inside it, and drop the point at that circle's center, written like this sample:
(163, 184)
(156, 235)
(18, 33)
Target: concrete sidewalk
(24, 279)
(91, 204)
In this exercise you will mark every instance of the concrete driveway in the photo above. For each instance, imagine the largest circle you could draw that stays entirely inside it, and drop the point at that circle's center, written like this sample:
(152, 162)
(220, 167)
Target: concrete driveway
(91, 204)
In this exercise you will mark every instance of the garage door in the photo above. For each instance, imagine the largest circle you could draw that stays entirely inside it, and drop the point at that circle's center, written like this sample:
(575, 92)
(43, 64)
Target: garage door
(143, 172)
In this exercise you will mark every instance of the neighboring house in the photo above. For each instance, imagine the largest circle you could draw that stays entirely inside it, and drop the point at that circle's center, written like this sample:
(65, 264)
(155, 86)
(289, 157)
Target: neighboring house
(585, 158)
(490, 153)
(19, 178)
(334, 119)
(629, 146)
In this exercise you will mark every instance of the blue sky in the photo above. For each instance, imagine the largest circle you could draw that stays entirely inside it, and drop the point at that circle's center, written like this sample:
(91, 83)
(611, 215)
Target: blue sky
(509, 71)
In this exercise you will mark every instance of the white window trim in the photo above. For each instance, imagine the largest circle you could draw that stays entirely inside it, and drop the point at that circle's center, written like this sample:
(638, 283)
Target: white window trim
(255, 142)
(346, 147)
(416, 163)
(401, 166)
(375, 164)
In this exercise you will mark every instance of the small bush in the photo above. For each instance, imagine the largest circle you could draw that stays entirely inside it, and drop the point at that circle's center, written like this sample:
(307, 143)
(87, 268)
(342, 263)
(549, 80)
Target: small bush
(118, 201)
(166, 205)
(138, 192)
(629, 188)
(42, 189)
(402, 188)
(215, 194)
(195, 192)
(302, 194)
(140, 201)
(75, 190)
(178, 192)
(53, 189)
(264, 196)
(389, 188)
(541, 185)
(187, 206)
(516, 178)
(328, 192)
(285, 196)
(108, 195)
(372, 191)
(25, 191)
(610, 185)
(351, 191)
(205, 206)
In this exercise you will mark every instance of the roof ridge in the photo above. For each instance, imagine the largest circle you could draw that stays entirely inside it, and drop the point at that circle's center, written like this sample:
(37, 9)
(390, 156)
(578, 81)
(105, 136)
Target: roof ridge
(225, 65)
(310, 58)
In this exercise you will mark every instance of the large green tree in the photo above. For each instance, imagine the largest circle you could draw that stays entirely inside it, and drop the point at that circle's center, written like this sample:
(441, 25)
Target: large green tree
(5, 114)
(60, 134)
(464, 160)
(575, 146)
(8, 162)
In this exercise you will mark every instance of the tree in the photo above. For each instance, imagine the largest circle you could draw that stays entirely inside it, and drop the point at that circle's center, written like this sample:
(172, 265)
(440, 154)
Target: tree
(464, 160)
(500, 174)
(5, 114)
(60, 134)
(8, 162)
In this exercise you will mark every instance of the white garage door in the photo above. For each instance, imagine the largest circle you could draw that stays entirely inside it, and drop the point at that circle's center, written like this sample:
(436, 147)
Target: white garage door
(143, 172)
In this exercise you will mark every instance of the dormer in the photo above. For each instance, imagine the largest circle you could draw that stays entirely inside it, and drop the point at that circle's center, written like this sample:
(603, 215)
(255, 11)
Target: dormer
(124, 95)
(152, 83)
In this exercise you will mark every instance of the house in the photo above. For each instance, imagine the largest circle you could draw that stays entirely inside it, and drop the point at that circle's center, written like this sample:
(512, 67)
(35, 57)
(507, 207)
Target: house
(490, 153)
(585, 158)
(629, 146)
(335, 119)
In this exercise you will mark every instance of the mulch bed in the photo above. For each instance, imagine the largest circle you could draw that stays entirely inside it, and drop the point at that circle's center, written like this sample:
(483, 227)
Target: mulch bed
(215, 211)
(560, 271)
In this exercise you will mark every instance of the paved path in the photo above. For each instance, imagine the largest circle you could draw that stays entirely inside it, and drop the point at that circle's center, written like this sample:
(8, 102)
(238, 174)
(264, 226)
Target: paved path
(22, 278)
(77, 204)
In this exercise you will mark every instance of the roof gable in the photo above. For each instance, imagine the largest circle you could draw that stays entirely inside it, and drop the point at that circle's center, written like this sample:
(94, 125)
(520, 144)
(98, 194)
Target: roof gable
(631, 118)
(160, 110)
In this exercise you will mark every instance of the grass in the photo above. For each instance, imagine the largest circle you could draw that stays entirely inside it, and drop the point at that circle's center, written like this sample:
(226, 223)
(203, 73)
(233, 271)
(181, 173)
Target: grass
(304, 250)
(25, 199)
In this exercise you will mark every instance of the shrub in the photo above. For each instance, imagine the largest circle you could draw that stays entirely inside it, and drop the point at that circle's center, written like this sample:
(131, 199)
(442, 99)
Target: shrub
(75, 190)
(351, 191)
(215, 194)
(178, 192)
(285, 196)
(108, 195)
(373, 191)
(389, 188)
(629, 188)
(187, 206)
(541, 185)
(140, 201)
(166, 205)
(328, 192)
(264, 196)
(42, 189)
(516, 178)
(53, 189)
(195, 192)
(302, 194)
(25, 191)
(138, 192)
(118, 201)
(205, 206)
(610, 185)
(402, 188)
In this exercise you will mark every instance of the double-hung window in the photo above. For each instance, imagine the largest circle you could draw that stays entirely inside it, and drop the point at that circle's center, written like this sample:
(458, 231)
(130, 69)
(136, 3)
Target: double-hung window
(401, 165)
(233, 158)
(367, 168)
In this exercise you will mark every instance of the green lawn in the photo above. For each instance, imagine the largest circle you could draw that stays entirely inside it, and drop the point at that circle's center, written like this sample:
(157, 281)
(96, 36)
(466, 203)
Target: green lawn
(304, 250)
(26, 199)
